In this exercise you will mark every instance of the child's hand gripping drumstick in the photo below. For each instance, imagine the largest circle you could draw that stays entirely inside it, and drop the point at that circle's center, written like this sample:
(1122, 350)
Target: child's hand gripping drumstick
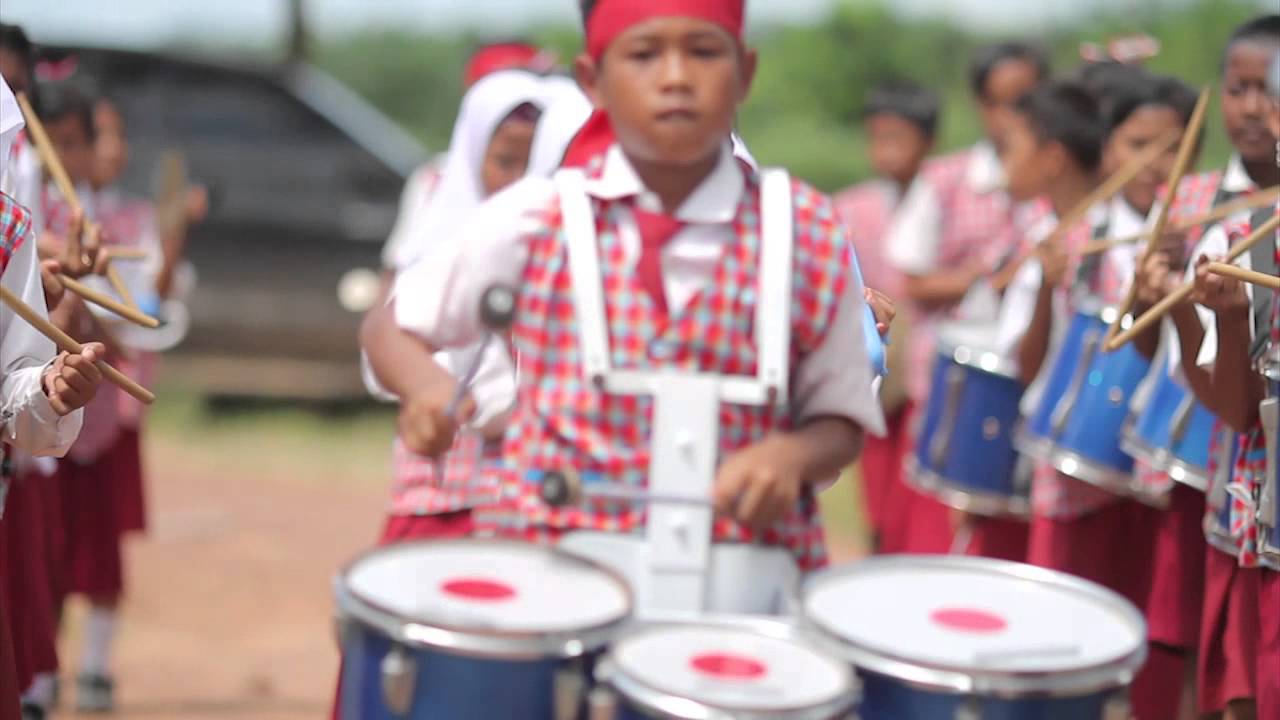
(67, 344)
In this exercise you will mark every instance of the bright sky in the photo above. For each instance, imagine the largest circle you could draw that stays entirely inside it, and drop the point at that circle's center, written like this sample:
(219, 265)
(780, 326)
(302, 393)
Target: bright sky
(159, 22)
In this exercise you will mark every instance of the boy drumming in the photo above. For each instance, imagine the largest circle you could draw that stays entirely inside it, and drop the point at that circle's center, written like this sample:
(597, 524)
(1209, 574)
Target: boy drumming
(677, 222)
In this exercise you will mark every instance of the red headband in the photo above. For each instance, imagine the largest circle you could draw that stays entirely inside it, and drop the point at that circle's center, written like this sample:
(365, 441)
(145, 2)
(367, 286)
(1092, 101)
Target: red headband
(610, 18)
(506, 56)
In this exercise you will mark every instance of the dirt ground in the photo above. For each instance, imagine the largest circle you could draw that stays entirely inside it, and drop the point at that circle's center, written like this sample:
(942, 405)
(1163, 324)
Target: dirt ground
(228, 611)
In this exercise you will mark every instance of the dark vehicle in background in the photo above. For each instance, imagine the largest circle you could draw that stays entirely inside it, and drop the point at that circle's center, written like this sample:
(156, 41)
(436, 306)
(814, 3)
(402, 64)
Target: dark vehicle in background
(304, 178)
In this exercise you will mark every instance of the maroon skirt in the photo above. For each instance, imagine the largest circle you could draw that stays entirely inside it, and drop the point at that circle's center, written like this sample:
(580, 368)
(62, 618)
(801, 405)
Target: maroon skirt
(1111, 546)
(130, 489)
(94, 564)
(999, 538)
(1177, 583)
(9, 687)
(1269, 646)
(31, 601)
(1227, 665)
(443, 526)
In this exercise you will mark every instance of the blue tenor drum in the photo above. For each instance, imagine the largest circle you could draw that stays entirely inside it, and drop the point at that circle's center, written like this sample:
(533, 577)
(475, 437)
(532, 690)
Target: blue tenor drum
(472, 629)
(1171, 431)
(964, 452)
(976, 638)
(1076, 426)
(736, 670)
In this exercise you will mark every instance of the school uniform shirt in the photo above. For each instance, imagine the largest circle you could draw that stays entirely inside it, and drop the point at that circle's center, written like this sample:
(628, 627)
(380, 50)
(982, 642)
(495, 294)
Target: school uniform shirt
(708, 271)
(1053, 494)
(1233, 492)
(867, 210)
(27, 420)
(955, 212)
(23, 180)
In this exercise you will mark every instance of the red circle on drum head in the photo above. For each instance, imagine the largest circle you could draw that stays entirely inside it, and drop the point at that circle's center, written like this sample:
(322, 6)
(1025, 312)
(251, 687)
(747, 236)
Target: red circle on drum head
(478, 589)
(968, 620)
(725, 666)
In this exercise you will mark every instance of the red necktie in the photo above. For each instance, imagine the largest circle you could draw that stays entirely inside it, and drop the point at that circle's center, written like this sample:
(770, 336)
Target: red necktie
(656, 230)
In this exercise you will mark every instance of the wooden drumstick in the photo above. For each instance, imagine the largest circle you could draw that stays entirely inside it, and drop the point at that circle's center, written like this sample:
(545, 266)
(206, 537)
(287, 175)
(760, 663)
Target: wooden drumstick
(127, 253)
(1112, 185)
(1190, 139)
(1250, 276)
(87, 293)
(67, 344)
(118, 284)
(53, 165)
(1221, 212)
(1160, 309)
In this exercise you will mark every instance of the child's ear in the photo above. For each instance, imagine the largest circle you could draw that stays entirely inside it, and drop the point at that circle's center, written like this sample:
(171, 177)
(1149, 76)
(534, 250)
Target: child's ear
(1056, 158)
(587, 72)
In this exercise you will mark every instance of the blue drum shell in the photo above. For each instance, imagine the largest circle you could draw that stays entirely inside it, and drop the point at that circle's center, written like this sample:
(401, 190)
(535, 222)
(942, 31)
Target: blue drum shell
(980, 456)
(1152, 428)
(1039, 426)
(889, 699)
(1093, 430)
(1193, 448)
(446, 687)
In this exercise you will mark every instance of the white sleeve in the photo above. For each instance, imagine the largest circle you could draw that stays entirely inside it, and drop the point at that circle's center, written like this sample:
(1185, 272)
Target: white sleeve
(1017, 307)
(1215, 244)
(915, 233)
(438, 296)
(836, 378)
(27, 420)
(412, 201)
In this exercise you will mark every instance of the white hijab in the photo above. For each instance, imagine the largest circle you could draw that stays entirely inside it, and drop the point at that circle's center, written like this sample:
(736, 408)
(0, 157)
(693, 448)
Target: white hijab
(486, 105)
(565, 110)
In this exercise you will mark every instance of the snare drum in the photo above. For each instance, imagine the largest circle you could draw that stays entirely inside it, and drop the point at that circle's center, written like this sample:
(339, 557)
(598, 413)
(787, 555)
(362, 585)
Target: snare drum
(744, 670)
(472, 629)
(1077, 425)
(1171, 432)
(964, 451)
(959, 637)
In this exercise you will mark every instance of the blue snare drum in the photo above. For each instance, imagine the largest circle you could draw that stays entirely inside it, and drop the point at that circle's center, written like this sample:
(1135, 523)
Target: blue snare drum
(472, 629)
(1171, 432)
(957, 637)
(1077, 424)
(964, 449)
(730, 670)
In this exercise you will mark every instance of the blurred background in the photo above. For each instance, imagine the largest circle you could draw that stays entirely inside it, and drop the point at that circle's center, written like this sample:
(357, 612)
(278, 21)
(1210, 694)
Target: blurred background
(267, 468)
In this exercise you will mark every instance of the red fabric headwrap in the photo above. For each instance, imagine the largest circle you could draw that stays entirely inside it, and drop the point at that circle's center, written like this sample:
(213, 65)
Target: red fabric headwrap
(611, 18)
(506, 56)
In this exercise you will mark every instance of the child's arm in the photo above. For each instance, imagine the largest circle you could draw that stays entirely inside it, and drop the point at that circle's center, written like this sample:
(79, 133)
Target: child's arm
(1235, 386)
(943, 288)
(1034, 346)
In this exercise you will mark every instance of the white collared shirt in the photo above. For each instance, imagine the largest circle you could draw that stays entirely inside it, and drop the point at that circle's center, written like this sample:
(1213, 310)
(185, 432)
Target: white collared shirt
(27, 420)
(438, 299)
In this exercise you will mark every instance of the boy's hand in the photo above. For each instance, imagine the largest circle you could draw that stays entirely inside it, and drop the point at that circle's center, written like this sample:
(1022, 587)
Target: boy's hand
(883, 309)
(53, 288)
(1053, 262)
(425, 428)
(1154, 278)
(73, 380)
(758, 485)
(1223, 295)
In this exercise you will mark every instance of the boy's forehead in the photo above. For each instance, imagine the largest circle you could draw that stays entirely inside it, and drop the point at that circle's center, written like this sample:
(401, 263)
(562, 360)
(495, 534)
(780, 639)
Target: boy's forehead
(670, 25)
(1248, 54)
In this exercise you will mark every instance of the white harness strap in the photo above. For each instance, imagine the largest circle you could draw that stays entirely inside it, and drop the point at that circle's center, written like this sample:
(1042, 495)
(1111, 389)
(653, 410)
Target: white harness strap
(773, 304)
(584, 268)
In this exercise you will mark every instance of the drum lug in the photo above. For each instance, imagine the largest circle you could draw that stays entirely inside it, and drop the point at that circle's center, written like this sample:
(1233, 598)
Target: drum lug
(570, 686)
(940, 446)
(970, 709)
(602, 704)
(399, 676)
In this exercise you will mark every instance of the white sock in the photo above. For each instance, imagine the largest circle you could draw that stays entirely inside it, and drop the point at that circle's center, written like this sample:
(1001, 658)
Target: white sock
(41, 691)
(99, 631)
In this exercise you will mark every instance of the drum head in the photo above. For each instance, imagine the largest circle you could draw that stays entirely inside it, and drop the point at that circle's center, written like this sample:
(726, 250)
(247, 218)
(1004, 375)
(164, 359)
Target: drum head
(977, 625)
(460, 593)
(688, 670)
(974, 345)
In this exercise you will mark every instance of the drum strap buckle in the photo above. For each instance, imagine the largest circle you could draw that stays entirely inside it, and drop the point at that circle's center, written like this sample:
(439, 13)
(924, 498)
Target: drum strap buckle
(399, 678)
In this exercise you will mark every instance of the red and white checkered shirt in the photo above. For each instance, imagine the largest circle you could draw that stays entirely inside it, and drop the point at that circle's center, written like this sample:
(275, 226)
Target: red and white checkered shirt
(15, 228)
(467, 477)
(563, 422)
(866, 209)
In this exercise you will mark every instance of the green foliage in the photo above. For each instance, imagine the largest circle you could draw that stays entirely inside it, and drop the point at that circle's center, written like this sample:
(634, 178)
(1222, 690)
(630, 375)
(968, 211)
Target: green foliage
(807, 99)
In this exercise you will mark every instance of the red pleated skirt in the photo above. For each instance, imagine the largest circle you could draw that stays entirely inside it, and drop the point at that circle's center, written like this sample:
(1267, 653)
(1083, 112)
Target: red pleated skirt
(1227, 666)
(130, 489)
(1177, 583)
(95, 567)
(1269, 646)
(1111, 546)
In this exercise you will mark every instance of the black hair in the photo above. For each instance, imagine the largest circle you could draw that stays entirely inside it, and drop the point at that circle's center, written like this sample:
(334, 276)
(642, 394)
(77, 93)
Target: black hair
(907, 100)
(1063, 111)
(1262, 29)
(1154, 90)
(587, 7)
(13, 37)
(59, 100)
(988, 57)
(1111, 82)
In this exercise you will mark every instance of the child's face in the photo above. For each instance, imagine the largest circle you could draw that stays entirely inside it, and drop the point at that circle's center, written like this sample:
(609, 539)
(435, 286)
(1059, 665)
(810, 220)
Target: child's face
(15, 71)
(507, 156)
(672, 87)
(73, 144)
(1007, 82)
(111, 148)
(1146, 125)
(896, 146)
(1028, 168)
(1245, 102)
